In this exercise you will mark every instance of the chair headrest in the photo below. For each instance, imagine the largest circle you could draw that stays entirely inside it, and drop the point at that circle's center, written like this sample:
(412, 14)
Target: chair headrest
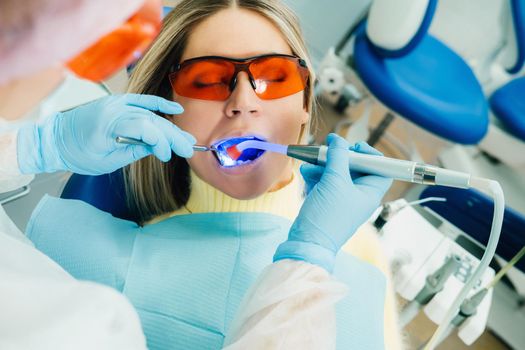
(396, 27)
(105, 192)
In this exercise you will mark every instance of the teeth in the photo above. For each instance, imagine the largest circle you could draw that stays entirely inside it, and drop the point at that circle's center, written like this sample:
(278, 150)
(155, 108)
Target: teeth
(240, 162)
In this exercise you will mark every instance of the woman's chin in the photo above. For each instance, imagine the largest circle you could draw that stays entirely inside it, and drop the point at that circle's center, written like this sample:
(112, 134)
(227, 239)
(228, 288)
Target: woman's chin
(244, 189)
(246, 181)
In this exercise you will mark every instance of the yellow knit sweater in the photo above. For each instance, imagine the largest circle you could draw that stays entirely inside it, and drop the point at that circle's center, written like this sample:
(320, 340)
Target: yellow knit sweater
(286, 202)
(205, 198)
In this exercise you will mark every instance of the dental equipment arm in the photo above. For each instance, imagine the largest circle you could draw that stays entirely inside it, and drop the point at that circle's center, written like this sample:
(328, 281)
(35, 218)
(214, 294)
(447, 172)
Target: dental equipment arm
(430, 175)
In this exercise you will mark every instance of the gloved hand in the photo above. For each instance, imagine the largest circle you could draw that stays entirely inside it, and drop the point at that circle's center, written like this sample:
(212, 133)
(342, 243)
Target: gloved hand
(82, 140)
(337, 204)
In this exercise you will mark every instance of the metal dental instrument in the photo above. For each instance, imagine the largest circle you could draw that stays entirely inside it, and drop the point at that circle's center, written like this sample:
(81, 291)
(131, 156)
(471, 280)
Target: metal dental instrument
(132, 141)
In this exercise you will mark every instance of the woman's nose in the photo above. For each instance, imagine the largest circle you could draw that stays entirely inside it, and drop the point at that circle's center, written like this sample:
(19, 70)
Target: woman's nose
(243, 100)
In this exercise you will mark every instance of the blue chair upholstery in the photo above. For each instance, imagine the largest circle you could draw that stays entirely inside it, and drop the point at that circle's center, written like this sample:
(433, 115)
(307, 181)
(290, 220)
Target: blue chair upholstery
(508, 104)
(471, 211)
(105, 192)
(429, 85)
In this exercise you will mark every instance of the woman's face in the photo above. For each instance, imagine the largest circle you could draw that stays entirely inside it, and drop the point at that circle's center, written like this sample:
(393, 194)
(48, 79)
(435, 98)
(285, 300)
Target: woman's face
(240, 33)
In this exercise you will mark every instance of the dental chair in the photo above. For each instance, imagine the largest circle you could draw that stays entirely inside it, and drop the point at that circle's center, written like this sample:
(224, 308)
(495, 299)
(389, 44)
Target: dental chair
(417, 76)
(423, 80)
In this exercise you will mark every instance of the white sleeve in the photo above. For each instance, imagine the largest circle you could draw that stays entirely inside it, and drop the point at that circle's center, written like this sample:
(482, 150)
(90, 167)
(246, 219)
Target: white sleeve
(10, 177)
(290, 306)
(43, 307)
(8, 160)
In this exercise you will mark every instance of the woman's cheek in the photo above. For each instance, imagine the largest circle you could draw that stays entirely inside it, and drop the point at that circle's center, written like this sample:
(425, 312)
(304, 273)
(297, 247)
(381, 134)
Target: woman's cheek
(289, 118)
(289, 128)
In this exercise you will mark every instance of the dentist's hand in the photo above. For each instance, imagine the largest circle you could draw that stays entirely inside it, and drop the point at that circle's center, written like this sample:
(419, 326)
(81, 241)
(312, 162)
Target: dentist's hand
(337, 204)
(82, 140)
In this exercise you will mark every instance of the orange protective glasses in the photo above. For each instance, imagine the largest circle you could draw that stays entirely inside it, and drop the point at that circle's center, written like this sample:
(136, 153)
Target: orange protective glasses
(120, 47)
(214, 77)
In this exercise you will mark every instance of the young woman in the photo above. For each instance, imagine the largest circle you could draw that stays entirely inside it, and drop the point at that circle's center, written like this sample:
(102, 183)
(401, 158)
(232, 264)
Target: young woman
(241, 71)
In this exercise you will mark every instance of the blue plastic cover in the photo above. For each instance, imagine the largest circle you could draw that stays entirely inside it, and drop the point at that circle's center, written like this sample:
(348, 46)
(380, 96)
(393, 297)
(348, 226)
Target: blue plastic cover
(431, 86)
(471, 211)
(187, 275)
(508, 104)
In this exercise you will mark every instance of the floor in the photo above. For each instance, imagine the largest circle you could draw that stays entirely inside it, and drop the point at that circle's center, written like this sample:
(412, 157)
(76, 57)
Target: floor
(421, 329)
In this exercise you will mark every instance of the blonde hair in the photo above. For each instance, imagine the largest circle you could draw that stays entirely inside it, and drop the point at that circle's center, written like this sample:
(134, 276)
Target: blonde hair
(154, 188)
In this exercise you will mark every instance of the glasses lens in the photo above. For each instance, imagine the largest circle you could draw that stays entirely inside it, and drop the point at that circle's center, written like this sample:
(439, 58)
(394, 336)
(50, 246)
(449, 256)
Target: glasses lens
(277, 77)
(120, 47)
(204, 80)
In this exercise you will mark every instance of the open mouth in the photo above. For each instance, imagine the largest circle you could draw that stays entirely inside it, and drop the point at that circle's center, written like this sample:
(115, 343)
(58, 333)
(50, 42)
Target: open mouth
(223, 151)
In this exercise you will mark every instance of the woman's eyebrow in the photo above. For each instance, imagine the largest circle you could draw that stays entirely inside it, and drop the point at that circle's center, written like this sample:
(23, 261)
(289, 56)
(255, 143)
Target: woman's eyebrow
(244, 56)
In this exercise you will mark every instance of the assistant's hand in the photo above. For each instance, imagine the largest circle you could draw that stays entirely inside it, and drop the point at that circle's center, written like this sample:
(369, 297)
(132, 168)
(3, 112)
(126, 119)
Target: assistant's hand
(337, 204)
(82, 140)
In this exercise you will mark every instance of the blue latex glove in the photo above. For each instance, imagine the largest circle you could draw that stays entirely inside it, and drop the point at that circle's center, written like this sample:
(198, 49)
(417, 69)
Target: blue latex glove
(337, 204)
(82, 140)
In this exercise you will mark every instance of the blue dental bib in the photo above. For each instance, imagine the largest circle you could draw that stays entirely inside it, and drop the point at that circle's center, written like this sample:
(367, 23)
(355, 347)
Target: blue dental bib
(186, 275)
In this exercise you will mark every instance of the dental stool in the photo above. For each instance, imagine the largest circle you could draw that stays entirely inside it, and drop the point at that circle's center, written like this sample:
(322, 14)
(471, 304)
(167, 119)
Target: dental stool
(471, 211)
(105, 192)
(417, 76)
